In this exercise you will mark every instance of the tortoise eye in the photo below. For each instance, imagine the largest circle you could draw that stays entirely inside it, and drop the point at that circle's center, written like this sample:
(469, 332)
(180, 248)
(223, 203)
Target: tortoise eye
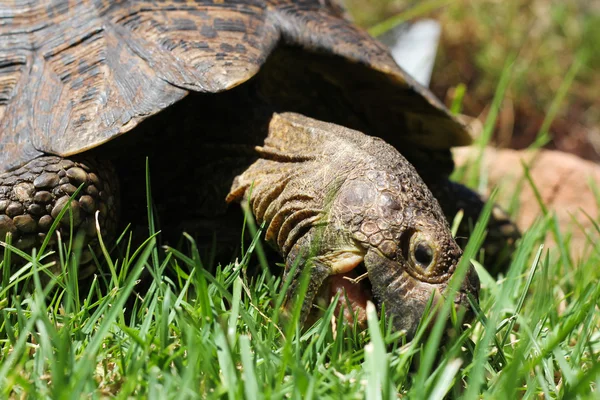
(423, 254)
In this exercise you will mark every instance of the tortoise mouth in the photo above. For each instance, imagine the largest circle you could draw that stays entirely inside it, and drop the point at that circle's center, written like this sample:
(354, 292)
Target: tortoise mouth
(354, 289)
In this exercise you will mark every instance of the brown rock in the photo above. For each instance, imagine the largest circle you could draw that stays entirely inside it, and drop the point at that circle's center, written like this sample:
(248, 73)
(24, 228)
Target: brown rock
(563, 181)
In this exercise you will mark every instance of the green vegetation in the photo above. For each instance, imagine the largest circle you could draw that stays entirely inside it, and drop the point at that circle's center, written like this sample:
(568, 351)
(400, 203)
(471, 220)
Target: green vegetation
(550, 38)
(159, 323)
(195, 334)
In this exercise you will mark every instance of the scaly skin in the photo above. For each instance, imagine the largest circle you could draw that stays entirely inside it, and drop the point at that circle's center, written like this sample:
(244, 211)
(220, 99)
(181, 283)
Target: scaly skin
(332, 198)
(502, 232)
(32, 197)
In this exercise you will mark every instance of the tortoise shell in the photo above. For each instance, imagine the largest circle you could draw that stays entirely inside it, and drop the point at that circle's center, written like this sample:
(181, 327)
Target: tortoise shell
(75, 74)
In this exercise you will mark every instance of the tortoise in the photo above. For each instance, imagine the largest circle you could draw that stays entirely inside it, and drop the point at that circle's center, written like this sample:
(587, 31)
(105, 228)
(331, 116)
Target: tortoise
(283, 105)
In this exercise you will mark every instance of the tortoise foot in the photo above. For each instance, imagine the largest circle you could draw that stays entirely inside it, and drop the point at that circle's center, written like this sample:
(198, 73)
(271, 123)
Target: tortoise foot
(33, 196)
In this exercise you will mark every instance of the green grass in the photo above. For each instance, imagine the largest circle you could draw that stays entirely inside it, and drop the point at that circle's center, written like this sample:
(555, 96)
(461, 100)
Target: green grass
(158, 324)
(556, 44)
(195, 334)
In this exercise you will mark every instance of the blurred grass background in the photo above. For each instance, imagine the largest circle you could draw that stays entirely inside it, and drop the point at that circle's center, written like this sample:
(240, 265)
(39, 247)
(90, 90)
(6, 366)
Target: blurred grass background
(549, 39)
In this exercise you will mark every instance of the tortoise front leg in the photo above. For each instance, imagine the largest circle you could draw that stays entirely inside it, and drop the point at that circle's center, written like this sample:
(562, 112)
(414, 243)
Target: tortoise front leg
(32, 197)
(502, 232)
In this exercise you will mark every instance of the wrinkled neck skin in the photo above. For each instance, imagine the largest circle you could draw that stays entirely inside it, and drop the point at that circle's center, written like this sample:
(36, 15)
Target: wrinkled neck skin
(332, 199)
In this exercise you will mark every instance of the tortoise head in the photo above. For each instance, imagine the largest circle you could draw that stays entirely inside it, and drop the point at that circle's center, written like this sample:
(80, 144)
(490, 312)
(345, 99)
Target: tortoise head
(408, 250)
(345, 205)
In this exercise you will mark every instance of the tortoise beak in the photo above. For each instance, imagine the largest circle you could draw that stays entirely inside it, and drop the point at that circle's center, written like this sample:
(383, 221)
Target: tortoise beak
(406, 299)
